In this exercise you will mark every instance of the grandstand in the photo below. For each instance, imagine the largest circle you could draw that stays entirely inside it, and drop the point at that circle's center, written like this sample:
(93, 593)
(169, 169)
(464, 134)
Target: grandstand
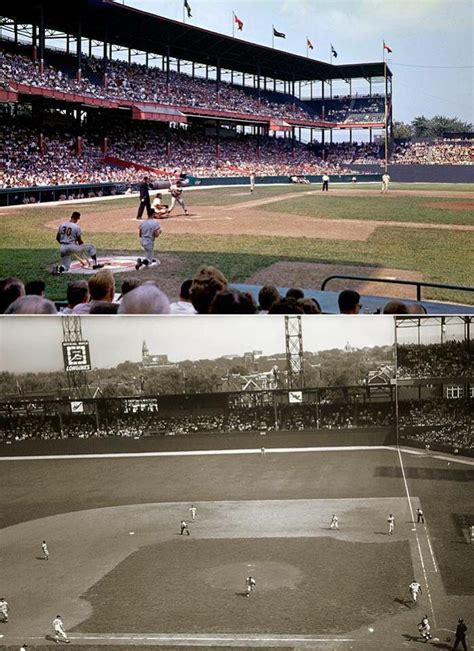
(236, 105)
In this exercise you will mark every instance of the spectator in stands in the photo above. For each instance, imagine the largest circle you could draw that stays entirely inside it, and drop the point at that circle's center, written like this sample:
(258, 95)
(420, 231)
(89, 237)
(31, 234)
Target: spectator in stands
(183, 305)
(349, 302)
(231, 301)
(31, 304)
(77, 295)
(103, 307)
(266, 297)
(286, 306)
(101, 288)
(128, 285)
(208, 282)
(37, 287)
(145, 299)
(395, 307)
(295, 293)
(416, 308)
(309, 305)
(10, 290)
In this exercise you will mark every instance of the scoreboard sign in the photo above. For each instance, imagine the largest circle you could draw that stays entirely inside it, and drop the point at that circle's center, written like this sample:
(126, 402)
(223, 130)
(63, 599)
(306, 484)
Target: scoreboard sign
(76, 356)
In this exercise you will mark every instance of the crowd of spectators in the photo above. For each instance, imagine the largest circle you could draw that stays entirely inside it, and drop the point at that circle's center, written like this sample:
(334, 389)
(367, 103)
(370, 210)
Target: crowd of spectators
(447, 359)
(441, 151)
(438, 423)
(208, 292)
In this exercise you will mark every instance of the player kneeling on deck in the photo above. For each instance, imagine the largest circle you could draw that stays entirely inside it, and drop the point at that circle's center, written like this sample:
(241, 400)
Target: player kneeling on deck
(69, 236)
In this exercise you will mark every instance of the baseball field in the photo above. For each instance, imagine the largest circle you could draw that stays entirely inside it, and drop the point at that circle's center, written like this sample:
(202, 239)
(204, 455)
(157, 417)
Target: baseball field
(284, 235)
(121, 575)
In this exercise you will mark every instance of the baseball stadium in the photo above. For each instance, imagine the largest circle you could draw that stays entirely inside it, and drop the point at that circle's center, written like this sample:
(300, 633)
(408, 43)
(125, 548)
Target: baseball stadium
(96, 95)
(263, 450)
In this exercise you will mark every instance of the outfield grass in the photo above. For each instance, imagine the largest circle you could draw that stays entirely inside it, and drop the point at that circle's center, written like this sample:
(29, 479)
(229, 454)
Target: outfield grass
(28, 249)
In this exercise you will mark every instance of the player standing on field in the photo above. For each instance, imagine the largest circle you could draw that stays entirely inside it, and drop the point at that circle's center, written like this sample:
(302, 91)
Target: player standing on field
(148, 232)
(252, 181)
(425, 629)
(193, 511)
(184, 528)
(420, 518)
(59, 631)
(4, 608)
(415, 589)
(385, 182)
(391, 524)
(250, 584)
(45, 550)
(334, 522)
(176, 191)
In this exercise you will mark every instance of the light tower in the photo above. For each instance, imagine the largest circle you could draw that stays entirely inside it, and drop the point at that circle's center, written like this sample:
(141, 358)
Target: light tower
(294, 353)
(76, 358)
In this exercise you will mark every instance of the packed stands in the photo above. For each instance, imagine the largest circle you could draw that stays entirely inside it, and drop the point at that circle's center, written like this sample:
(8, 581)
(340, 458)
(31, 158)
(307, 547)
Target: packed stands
(435, 152)
(438, 423)
(449, 359)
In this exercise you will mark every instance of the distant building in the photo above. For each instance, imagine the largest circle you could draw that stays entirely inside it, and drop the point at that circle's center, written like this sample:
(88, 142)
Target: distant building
(153, 361)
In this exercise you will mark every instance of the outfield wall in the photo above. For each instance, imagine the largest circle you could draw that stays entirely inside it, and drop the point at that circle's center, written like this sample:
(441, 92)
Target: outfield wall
(422, 173)
(186, 442)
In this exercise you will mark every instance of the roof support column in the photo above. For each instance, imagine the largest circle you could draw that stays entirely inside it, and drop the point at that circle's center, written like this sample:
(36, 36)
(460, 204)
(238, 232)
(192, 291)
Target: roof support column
(41, 38)
(129, 55)
(192, 69)
(68, 43)
(274, 85)
(243, 79)
(258, 84)
(370, 87)
(79, 51)
(350, 136)
(146, 60)
(293, 137)
(258, 142)
(168, 142)
(167, 63)
(370, 135)
(293, 90)
(104, 60)
(34, 42)
(15, 31)
(90, 48)
(218, 141)
(218, 78)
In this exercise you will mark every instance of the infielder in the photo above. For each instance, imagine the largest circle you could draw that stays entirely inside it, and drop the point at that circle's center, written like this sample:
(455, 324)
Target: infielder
(391, 524)
(334, 522)
(415, 590)
(176, 192)
(193, 511)
(250, 584)
(420, 517)
(45, 550)
(184, 528)
(149, 230)
(385, 182)
(252, 181)
(4, 609)
(69, 236)
(59, 631)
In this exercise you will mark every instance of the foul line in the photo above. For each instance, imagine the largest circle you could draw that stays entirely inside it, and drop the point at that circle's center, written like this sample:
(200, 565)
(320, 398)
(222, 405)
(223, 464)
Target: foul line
(193, 453)
(417, 538)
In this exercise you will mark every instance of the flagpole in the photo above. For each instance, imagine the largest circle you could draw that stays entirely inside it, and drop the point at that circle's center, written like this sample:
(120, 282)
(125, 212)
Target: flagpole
(184, 16)
(273, 36)
(233, 25)
(386, 114)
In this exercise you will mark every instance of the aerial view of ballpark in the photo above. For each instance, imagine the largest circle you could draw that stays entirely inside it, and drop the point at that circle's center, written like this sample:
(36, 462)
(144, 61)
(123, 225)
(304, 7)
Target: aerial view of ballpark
(261, 482)
(257, 137)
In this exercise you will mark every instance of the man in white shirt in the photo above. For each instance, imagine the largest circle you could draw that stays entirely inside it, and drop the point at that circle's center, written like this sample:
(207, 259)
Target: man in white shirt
(183, 305)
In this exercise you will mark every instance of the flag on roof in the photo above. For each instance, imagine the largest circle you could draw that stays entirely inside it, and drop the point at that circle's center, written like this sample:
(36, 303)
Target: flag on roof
(386, 47)
(333, 51)
(240, 23)
(188, 8)
(309, 44)
(278, 34)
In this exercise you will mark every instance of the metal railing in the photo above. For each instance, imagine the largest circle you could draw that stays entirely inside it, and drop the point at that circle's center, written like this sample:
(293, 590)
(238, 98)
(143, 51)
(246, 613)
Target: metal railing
(413, 283)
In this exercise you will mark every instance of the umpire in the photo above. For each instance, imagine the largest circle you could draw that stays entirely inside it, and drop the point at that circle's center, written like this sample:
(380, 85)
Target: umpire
(460, 637)
(144, 199)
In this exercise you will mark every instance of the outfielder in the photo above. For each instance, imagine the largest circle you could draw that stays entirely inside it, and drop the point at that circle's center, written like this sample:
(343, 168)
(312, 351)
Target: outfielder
(385, 182)
(252, 181)
(334, 522)
(59, 631)
(391, 524)
(69, 236)
(149, 230)
(250, 584)
(193, 511)
(176, 192)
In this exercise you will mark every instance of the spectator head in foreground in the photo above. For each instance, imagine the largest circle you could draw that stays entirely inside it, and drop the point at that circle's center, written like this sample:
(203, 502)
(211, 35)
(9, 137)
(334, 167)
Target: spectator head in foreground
(77, 292)
(146, 299)
(32, 304)
(349, 302)
(286, 306)
(129, 284)
(184, 304)
(103, 307)
(395, 307)
(295, 292)
(10, 290)
(102, 286)
(267, 296)
(208, 282)
(231, 301)
(309, 305)
(36, 287)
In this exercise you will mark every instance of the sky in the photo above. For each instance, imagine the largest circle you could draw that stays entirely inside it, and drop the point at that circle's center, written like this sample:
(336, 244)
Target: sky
(432, 40)
(33, 344)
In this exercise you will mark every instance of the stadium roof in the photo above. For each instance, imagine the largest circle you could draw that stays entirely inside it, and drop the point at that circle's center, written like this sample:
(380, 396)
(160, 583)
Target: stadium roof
(137, 29)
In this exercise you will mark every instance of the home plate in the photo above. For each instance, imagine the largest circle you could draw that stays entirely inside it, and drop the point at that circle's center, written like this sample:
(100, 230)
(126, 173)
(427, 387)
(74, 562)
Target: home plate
(115, 263)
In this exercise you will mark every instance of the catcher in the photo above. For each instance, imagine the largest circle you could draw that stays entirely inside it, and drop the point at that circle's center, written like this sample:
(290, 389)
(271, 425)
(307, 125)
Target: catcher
(69, 237)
